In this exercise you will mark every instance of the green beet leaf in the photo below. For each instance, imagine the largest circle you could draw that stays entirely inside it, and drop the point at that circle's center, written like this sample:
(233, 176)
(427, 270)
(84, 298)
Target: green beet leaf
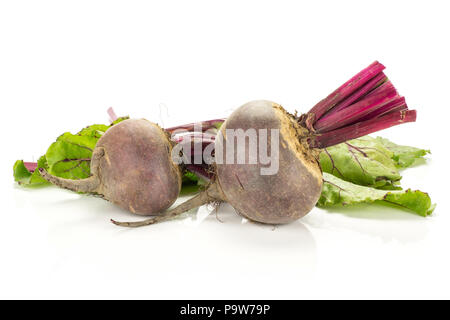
(403, 156)
(69, 157)
(339, 192)
(367, 161)
(26, 178)
(364, 161)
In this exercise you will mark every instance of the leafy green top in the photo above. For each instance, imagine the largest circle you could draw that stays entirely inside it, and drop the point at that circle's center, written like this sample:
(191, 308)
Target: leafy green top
(339, 192)
(68, 157)
(369, 161)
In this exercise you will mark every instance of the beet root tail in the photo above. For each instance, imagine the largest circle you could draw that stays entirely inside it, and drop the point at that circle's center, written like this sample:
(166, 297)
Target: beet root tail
(90, 184)
(211, 194)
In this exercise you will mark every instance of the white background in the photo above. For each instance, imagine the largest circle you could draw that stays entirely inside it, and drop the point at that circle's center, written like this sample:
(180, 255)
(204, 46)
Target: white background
(62, 64)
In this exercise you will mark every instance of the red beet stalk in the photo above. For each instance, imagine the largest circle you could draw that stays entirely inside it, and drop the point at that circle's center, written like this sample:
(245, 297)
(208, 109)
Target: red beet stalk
(112, 115)
(347, 89)
(192, 127)
(366, 103)
(31, 166)
(355, 111)
(368, 87)
(362, 128)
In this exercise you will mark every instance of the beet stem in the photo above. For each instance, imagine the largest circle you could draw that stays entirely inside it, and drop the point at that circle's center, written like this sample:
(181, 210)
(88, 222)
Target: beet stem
(363, 128)
(205, 125)
(112, 115)
(31, 166)
(358, 94)
(396, 104)
(194, 136)
(346, 89)
(368, 107)
(356, 111)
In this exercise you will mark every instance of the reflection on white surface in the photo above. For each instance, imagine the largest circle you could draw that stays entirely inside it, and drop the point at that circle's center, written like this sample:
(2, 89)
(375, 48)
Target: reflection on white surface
(375, 220)
(73, 242)
(64, 242)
